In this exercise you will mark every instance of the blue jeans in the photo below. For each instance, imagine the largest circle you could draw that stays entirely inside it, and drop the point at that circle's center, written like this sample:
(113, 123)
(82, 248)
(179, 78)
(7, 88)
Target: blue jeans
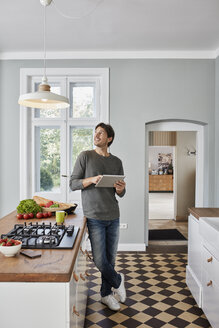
(104, 238)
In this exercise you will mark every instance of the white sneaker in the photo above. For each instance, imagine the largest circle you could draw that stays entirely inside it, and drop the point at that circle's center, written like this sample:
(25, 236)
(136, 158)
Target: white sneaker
(121, 292)
(111, 302)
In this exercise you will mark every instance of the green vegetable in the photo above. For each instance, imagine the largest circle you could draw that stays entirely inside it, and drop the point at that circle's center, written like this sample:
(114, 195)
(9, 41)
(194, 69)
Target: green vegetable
(28, 206)
(55, 205)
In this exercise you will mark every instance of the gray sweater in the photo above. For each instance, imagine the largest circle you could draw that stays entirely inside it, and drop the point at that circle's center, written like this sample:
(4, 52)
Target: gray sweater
(99, 203)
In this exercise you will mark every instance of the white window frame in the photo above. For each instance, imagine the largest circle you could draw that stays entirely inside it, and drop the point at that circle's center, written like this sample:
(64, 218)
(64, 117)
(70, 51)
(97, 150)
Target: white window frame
(81, 79)
(27, 76)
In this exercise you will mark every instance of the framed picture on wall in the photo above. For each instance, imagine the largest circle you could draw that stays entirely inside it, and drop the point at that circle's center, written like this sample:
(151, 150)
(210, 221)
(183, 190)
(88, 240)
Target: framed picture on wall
(164, 160)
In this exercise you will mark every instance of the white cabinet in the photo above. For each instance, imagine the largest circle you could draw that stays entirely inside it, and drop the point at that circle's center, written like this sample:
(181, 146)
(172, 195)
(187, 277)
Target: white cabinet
(47, 304)
(202, 272)
(79, 290)
(210, 304)
(193, 272)
(71, 293)
(209, 231)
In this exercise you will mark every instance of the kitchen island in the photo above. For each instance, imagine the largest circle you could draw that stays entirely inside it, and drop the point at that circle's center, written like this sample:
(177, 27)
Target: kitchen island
(49, 291)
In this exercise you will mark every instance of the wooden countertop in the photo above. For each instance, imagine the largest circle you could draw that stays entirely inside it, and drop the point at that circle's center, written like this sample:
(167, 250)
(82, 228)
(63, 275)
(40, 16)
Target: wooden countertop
(55, 265)
(199, 212)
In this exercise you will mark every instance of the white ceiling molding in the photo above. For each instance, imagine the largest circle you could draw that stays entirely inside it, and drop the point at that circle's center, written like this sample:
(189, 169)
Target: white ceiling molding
(111, 55)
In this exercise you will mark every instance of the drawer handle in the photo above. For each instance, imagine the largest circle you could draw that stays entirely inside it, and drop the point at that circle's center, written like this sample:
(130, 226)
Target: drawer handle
(74, 311)
(210, 259)
(82, 250)
(88, 255)
(75, 276)
(81, 275)
(209, 283)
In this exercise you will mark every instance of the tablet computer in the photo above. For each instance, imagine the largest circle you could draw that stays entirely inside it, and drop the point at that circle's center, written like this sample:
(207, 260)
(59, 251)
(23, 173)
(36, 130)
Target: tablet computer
(109, 180)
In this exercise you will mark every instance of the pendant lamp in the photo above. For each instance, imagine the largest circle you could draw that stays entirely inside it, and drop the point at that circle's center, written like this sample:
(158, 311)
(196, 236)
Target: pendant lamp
(43, 98)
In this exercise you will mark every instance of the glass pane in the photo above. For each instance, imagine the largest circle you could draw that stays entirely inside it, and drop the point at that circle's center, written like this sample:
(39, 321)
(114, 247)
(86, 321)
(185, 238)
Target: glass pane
(81, 139)
(49, 113)
(48, 159)
(82, 98)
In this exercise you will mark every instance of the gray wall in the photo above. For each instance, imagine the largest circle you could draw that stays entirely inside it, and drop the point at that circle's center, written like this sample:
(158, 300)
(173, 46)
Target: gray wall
(141, 90)
(216, 132)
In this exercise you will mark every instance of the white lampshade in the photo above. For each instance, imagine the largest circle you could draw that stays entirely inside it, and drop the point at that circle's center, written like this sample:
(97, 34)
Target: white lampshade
(43, 98)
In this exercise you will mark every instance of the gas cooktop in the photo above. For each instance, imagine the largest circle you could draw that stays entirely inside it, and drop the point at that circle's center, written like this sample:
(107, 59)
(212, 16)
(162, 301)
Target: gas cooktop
(44, 236)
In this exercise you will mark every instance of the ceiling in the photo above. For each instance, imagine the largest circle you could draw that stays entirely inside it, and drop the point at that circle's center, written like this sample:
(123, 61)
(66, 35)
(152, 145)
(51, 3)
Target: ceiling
(115, 25)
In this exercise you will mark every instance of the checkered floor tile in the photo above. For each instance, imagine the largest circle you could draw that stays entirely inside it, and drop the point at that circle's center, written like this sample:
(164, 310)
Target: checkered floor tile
(157, 295)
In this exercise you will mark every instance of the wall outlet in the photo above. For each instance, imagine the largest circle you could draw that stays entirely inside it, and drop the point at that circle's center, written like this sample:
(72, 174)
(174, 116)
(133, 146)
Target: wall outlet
(123, 225)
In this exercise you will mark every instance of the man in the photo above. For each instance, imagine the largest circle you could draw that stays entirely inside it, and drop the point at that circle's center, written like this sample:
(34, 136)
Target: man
(101, 209)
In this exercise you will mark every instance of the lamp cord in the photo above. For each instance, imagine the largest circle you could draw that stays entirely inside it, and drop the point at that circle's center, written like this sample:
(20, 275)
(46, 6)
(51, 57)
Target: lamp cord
(77, 17)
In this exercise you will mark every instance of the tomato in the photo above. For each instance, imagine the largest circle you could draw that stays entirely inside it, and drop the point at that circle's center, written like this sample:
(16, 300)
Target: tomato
(49, 214)
(26, 216)
(20, 216)
(39, 215)
(49, 203)
(31, 215)
(45, 215)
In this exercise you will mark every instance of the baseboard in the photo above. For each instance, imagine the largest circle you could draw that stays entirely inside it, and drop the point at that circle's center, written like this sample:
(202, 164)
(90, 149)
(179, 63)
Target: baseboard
(124, 247)
(132, 247)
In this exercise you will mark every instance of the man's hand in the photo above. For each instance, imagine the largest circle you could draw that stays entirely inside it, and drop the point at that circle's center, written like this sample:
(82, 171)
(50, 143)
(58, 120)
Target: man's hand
(92, 180)
(119, 186)
(95, 179)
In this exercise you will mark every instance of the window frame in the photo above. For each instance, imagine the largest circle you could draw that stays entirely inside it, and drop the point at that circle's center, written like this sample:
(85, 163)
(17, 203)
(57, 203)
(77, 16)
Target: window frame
(81, 79)
(28, 76)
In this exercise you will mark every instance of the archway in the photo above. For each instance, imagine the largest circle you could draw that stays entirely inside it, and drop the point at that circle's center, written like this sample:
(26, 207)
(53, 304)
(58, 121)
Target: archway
(201, 160)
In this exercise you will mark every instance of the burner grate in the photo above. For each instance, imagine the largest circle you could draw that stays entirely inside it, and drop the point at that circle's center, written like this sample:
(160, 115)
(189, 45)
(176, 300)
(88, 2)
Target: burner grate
(44, 235)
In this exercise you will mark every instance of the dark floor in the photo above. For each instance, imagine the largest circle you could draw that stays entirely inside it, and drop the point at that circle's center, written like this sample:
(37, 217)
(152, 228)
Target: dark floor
(157, 295)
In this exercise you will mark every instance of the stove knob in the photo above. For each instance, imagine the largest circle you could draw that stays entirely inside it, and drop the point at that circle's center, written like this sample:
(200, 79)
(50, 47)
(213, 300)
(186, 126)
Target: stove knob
(70, 231)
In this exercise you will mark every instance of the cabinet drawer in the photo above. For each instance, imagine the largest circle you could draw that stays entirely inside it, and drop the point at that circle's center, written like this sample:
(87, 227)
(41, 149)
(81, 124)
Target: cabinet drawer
(210, 300)
(210, 265)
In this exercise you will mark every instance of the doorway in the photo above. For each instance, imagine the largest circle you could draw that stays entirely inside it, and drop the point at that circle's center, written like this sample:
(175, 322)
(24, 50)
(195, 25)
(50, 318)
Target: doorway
(161, 170)
(165, 202)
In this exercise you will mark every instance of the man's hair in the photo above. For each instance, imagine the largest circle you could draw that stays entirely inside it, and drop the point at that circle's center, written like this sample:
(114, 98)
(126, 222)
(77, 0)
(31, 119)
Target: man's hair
(109, 130)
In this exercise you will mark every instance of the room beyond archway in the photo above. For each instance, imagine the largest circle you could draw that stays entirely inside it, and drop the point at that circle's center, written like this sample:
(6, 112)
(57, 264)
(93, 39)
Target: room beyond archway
(160, 161)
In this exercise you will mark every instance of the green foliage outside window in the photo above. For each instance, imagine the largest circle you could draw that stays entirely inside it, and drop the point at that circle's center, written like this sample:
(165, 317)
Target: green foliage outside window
(82, 139)
(50, 156)
(83, 101)
(46, 182)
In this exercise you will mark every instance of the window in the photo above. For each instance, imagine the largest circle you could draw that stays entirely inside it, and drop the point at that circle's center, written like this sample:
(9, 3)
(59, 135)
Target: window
(47, 159)
(51, 140)
(83, 100)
